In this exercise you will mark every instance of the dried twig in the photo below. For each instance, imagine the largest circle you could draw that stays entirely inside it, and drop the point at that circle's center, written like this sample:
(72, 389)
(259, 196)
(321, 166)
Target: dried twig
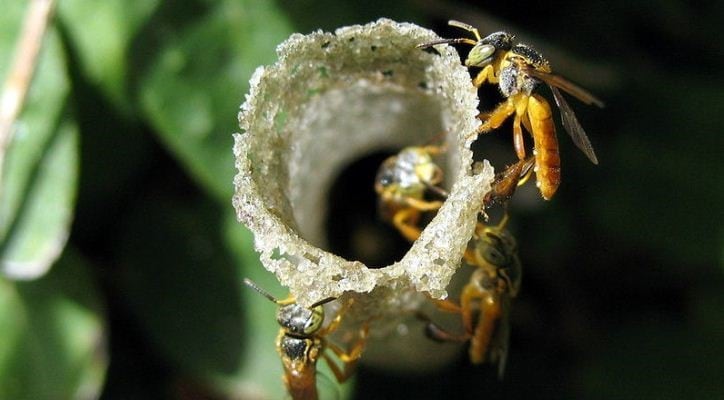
(21, 73)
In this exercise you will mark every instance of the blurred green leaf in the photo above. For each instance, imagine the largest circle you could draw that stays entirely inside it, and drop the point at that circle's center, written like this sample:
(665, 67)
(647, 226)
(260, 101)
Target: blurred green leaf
(38, 187)
(196, 79)
(181, 286)
(41, 227)
(52, 336)
(101, 33)
(186, 291)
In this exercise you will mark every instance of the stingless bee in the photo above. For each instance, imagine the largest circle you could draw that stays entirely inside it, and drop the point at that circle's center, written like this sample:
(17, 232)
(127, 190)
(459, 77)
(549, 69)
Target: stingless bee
(485, 300)
(302, 340)
(518, 70)
(402, 183)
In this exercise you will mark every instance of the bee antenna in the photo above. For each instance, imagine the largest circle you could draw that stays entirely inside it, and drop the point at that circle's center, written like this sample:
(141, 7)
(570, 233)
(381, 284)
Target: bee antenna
(251, 284)
(323, 301)
(433, 43)
(438, 138)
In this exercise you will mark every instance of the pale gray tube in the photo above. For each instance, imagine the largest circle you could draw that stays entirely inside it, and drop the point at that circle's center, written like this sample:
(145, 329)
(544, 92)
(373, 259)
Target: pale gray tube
(329, 100)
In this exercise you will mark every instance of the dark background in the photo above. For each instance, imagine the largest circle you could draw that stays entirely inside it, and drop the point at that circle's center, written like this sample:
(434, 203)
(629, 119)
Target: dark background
(622, 290)
(623, 270)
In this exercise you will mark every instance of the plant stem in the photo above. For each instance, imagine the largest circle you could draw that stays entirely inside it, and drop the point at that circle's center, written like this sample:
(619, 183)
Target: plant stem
(23, 66)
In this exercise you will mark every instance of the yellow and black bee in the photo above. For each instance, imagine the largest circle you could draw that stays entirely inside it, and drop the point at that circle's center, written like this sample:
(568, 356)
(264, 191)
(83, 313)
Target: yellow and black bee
(518, 70)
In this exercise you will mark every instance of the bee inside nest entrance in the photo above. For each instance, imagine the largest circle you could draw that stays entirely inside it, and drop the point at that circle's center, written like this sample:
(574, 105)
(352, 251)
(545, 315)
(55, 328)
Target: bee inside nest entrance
(341, 139)
(354, 225)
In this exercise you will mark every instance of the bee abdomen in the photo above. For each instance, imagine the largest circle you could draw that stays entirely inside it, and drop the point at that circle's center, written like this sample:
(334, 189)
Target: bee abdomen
(547, 159)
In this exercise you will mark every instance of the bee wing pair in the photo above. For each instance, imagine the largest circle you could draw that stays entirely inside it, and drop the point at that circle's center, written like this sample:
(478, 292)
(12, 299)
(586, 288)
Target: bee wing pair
(568, 117)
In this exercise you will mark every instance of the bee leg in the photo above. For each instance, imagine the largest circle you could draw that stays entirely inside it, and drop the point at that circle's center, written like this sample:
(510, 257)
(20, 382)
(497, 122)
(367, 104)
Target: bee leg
(495, 118)
(405, 221)
(439, 334)
(503, 220)
(526, 122)
(434, 150)
(334, 324)
(289, 300)
(469, 300)
(490, 315)
(518, 142)
(521, 105)
(526, 171)
(348, 359)
(423, 205)
(483, 115)
(469, 255)
(446, 305)
(467, 27)
(487, 74)
(479, 232)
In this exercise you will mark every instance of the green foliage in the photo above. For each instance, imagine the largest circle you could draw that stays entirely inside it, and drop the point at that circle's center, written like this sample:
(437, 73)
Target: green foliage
(39, 177)
(53, 335)
(101, 33)
(196, 76)
(190, 88)
(623, 268)
(40, 227)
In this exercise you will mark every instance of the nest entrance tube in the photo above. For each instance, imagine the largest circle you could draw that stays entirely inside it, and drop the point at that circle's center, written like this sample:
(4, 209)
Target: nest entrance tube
(343, 126)
(328, 101)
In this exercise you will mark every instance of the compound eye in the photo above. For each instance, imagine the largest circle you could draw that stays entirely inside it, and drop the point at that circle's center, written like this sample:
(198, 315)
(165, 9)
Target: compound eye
(480, 55)
(386, 173)
(315, 320)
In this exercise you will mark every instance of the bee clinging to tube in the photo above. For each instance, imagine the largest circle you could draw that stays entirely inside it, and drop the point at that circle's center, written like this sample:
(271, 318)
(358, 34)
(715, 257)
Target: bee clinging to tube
(302, 341)
(485, 300)
(518, 70)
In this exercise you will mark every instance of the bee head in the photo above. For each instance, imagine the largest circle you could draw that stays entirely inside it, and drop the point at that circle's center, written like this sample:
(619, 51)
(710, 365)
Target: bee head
(484, 51)
(300, 320)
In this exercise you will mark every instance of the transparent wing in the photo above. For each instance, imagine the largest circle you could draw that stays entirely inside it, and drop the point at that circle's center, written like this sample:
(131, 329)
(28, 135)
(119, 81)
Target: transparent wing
(498, 352)
(573, 127)
(565, 85)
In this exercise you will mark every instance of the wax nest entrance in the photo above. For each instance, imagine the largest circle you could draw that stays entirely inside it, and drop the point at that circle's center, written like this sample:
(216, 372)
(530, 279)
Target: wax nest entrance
(330, 99)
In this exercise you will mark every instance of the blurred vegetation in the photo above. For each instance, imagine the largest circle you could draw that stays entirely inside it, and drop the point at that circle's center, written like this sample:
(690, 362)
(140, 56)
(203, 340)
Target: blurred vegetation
(127, 128)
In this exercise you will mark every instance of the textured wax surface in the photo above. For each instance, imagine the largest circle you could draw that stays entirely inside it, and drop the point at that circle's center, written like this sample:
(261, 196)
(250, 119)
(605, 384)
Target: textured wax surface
(329, 100)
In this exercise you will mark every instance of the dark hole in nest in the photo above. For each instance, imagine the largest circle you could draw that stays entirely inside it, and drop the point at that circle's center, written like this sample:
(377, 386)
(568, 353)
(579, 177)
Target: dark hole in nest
(354, 229)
